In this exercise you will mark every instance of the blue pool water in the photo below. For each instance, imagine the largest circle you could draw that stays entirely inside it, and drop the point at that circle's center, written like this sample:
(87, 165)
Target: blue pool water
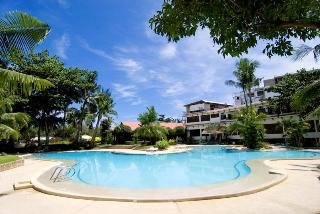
(203, 165)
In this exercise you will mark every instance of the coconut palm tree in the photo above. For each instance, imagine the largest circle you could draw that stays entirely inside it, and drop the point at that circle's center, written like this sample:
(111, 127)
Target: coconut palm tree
(246, 78)
(304, 50)
(10, 123)
(20, 31)
(104, 107)
(308, 95)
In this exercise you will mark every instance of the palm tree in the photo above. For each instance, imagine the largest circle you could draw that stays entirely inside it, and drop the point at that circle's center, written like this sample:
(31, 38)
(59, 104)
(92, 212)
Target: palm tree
(104, 107)
(20, 31)
(304, 50)
(308, 95)
(246, 79)
(10, 123)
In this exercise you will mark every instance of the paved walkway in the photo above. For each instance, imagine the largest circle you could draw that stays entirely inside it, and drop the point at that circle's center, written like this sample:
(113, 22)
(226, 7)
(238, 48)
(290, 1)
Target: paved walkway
(300, 193)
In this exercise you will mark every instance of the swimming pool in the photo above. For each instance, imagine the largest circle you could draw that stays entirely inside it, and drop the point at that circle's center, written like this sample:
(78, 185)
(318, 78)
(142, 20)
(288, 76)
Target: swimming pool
(203, 165)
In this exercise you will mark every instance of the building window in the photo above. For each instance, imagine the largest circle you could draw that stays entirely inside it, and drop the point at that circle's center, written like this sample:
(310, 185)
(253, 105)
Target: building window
(205, 117)
(192, 119)
(195, 133)
(230, 116)
(223, 116)
(273, 129)
(214, 115)
(260, 93)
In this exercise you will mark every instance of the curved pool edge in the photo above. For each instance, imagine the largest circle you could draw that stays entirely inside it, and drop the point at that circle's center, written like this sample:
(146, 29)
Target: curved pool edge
(261, 177)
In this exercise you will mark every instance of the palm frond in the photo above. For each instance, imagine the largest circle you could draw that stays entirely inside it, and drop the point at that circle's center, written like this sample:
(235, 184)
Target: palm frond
(15, 120)
(304, 50)
(7, 132)
(11, 79)
(19, 30)
(306, 95)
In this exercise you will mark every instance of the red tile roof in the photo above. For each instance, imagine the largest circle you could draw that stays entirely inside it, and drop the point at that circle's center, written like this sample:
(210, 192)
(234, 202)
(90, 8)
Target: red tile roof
(135, 124)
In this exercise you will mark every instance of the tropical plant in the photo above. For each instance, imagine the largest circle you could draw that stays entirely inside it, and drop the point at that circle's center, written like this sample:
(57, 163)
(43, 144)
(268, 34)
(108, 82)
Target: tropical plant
(122, 133)
(104, 107)
(162, 144)
(152, 131)
(294, 129)
(237, 25)
(248, 124)
(10, 123)
(305, 50)
(215, 129)
(246, 78)
(309, 95)
(289, 87)
(20, 31)
(148, 117)
(105, 131)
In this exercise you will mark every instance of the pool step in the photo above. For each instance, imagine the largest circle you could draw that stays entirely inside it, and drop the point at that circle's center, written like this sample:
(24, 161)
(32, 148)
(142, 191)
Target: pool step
(22, 185)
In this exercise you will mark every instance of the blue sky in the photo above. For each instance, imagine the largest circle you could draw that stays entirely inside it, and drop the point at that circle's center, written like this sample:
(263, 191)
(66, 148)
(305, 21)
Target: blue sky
(141, 68)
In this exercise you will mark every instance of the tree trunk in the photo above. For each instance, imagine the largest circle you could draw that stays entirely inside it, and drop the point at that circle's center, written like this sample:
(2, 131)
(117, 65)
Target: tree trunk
(95, 130)
(250, 98)
(39, 130)
(46, 132)
(245, 97)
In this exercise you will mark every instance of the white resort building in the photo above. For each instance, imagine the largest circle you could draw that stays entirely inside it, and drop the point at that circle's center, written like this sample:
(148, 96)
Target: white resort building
(202, 113)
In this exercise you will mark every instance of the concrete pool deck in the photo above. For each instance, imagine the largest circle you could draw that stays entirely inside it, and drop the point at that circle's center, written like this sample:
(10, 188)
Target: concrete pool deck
(299, 193)
(260, 178)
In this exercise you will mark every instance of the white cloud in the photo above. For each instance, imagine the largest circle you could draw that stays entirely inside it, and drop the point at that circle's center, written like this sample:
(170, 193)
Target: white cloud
(168, 51)
(63, 3)
(61, 46)
(85, 45)
(128, 65)
(128, 92)
(175, 89)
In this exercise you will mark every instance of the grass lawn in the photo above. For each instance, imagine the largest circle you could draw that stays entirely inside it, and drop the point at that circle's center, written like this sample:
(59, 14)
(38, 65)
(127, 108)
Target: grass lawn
(8, 158)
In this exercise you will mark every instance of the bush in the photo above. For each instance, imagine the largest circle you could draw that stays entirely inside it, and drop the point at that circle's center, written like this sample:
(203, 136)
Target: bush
(122, 133)
(172, 142)
(97, 139)
(162, 144)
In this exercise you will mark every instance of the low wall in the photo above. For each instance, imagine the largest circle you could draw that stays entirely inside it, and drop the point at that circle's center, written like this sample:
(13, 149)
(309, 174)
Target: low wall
(11, 165)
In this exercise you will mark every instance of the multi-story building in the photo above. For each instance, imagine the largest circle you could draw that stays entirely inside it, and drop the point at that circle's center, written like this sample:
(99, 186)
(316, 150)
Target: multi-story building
(201, 114)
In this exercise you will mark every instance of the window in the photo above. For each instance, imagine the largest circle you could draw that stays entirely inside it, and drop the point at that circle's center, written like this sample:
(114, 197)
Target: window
(214, 115)
(205, 117)
(260, 93)
(273, 129)
(192, 119)
(223, 116)
(230, 116)
(195, 132)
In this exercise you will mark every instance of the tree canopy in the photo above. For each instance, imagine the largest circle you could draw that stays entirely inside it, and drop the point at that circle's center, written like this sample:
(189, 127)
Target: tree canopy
(237, 25)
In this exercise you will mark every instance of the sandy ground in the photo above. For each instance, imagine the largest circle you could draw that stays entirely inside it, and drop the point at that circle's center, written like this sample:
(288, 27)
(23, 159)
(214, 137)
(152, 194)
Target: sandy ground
(300, 193)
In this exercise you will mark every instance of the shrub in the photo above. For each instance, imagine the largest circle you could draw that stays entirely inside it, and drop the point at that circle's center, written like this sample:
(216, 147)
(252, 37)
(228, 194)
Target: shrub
(97, 139)
(172, 142)
(162, 144)
(122, 133)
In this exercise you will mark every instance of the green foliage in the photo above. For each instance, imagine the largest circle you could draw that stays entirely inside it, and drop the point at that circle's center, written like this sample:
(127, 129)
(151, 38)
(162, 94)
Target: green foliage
(122, 133)
(148, 117)
(289, 86)
(152, 132)
(304, 50)
(237, 25)
(67, 131)
(246, 78)
(8, 158)
(248, 124)
(104, 107)
(308, 96)
(294, 130)
(105, 131)
(162, 144)
(19, 30)
(172, 142)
